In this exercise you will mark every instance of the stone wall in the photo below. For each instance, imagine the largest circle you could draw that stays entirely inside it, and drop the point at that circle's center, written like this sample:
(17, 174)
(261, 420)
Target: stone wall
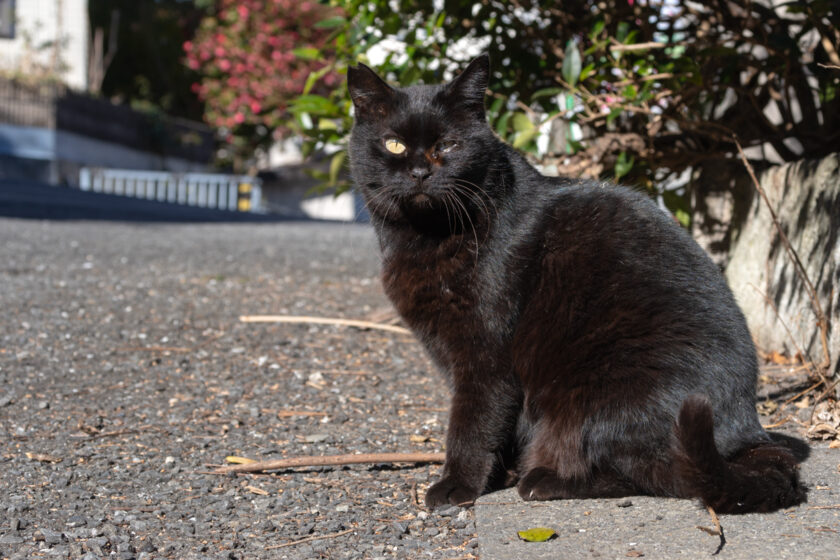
(806, 198)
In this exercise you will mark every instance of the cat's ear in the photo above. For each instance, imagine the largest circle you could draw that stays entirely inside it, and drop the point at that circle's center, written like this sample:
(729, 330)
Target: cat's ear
(370, 94)
(469, 86)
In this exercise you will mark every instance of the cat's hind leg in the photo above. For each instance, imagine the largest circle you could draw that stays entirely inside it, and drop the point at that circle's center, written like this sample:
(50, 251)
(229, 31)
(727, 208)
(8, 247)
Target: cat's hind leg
(761, 478)
(544, 483)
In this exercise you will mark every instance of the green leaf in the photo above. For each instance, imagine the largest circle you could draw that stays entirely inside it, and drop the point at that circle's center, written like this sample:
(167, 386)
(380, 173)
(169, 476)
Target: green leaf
(307, 53)
(679, 205)
(314, 104)
(330, 23)
(622, 31)
(571, 63)
(623, 165)
(614, 113)
(502, 124)
(441, 18)
(521, 122)
(336, 164)
(313, 78)
(683, 217)
(546, 92)
(524, 137)
(537, 534)
(327, 124)
(496, 107)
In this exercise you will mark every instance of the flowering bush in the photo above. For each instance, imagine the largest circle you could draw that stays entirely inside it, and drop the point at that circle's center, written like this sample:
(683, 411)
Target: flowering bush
(632, 90)
(254, 57)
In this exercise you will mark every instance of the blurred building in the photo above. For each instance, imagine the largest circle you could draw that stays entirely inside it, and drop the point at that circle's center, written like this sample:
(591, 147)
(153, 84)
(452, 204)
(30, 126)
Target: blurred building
(46, 38)
(51, 128)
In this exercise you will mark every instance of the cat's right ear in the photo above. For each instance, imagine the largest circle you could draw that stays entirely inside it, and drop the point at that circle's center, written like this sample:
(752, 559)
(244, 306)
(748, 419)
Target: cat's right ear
(370, 94)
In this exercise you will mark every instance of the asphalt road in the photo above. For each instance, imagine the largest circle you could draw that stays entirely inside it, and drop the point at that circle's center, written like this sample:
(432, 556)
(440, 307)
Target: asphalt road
(125, 374)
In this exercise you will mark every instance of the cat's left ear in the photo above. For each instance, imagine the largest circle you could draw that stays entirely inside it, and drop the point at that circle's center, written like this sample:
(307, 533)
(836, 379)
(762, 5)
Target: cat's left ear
(470, 85)
(370, 94)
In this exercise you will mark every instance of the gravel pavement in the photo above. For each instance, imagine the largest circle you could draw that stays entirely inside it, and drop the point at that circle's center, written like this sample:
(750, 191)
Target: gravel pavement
(125, 375)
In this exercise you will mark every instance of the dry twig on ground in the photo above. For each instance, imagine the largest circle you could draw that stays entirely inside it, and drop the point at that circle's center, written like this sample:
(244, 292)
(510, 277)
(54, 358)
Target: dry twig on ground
(323, 321)
(331, 460)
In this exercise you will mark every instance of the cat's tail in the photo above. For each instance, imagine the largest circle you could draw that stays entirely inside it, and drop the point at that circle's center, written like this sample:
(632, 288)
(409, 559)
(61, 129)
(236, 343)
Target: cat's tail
(760, 478)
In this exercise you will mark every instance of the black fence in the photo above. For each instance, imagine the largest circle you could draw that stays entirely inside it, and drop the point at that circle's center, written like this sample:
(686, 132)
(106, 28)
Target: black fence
(56, 107)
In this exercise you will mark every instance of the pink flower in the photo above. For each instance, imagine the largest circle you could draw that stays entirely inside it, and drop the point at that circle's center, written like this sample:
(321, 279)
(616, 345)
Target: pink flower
(238, 118)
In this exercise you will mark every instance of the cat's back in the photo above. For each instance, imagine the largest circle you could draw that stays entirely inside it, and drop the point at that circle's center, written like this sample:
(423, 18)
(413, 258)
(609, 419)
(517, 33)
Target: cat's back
(611, 229)
(624, 298)
(609, 255)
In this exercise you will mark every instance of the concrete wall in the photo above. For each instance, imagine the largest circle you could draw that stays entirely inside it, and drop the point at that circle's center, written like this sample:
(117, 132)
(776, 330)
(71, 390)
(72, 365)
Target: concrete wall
(806, 198)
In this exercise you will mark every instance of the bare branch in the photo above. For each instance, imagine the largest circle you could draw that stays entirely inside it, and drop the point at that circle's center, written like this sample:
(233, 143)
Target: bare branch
(323, 321)
(332, 460)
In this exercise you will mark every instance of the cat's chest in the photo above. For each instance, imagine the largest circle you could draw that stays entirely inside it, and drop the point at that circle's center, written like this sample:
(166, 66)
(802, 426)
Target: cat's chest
(429, 288)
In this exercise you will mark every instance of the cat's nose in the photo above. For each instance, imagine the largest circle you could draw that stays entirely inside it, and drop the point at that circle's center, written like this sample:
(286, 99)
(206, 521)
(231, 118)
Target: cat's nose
(420, 173)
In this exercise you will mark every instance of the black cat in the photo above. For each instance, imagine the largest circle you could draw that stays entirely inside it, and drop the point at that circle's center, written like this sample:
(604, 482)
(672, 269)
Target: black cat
(591, 346)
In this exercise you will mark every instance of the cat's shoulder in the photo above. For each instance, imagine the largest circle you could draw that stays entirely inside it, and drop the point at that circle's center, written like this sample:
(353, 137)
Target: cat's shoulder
(589, 197)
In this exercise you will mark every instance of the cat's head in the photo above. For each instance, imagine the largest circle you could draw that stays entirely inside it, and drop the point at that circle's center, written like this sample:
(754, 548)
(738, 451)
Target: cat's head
(421, 153)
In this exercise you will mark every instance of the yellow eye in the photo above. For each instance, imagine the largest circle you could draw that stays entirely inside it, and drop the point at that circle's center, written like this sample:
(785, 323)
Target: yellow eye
(394, 146)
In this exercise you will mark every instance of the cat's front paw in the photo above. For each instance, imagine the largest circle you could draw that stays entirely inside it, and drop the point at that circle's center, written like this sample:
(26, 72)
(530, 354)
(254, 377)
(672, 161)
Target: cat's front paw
(541, 483)
(450, 491)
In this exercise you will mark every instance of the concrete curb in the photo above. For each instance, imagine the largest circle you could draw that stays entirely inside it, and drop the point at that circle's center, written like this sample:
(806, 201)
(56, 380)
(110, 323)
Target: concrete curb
(666, 528)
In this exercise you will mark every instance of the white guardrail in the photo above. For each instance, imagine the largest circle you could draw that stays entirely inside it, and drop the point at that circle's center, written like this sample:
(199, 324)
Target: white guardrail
(207, 190)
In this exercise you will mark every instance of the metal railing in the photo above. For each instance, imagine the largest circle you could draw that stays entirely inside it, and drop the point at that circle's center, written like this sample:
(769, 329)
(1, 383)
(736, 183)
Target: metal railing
(206, 190)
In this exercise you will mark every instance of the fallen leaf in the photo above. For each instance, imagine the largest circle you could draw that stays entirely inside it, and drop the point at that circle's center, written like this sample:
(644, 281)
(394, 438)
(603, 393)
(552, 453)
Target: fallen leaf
(766, 408)
(825, 421)
(537, 534)
(633, 553)
(255, 490)
(291, 413)
(43, 457)
(779, 359)
(834, 444)
(418, 439)
(239, 460)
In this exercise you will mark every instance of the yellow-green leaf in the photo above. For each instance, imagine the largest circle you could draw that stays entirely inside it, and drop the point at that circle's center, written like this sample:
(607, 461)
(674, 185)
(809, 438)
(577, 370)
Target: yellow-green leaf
(521, 122)
(537, 534)
(327, 124)
(335, 166)
(523, 138)
(238, 460)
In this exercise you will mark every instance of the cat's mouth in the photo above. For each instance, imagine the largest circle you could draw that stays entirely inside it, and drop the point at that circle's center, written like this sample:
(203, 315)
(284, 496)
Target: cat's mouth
(421, 200)
(428, 213)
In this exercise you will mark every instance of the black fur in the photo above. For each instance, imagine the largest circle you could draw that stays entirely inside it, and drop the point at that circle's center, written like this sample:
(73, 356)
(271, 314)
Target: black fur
(592, 348)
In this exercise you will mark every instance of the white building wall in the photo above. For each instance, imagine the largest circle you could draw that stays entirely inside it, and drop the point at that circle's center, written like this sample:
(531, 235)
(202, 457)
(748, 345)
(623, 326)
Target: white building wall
(38, 24)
